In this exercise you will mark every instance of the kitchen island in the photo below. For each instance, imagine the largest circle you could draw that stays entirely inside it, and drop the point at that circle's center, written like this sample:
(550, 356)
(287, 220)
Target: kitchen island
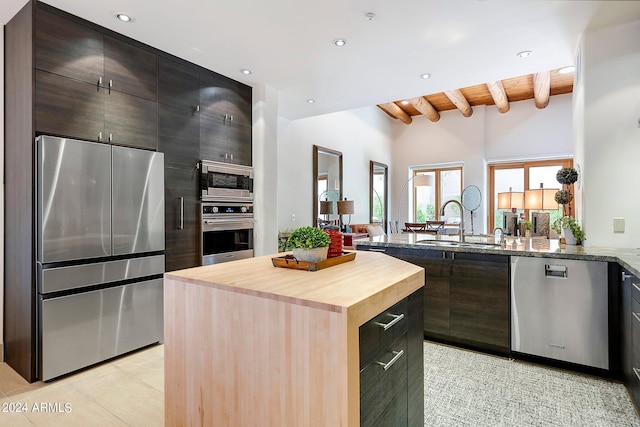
(250, 344)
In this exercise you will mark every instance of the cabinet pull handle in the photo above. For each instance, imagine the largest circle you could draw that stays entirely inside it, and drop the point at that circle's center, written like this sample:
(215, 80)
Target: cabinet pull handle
(377, 250)
(625, 276)
(396, 319)
(397, 355)
(637, 372)
(560, 346)
(110, 137)
(453, 255)
(181, 223)
(635, 286)
(231, 117)
(231, 155)
(636, 316)
(100, 81)
(99, 136)
(197, 108)
(110, 83)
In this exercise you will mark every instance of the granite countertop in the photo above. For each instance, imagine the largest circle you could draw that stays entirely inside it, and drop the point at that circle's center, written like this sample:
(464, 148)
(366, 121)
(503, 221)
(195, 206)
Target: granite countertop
(629, 258)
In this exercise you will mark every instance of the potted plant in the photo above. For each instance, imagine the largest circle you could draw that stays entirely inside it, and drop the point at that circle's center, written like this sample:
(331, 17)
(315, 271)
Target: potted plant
(570, 229)
(309, 244)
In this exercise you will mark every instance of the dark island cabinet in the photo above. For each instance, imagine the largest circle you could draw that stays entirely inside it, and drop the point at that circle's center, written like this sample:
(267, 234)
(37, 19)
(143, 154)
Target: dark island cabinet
(466, 296)
(630, 336)
(391, 366)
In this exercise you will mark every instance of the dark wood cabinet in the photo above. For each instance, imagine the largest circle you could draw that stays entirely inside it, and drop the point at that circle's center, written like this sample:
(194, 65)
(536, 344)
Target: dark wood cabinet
(630, 334)
(130, 120)
(391, 366)
(466, 296)
(178, 139)
(178, 84)
(182, 219)
(73, 50)
(67, 107)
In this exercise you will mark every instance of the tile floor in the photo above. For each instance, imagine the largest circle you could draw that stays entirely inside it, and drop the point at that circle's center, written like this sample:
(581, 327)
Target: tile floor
(129, 392)
(125, 392)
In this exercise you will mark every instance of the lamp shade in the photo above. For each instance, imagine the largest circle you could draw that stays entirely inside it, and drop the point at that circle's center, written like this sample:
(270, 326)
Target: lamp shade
(511, 200)
(422, 180)
(541, 199)
(346, 207)
(327, 207)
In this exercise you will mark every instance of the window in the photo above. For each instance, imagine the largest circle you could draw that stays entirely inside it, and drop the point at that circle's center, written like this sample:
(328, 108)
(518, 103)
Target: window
(427, 200)
(522, 176)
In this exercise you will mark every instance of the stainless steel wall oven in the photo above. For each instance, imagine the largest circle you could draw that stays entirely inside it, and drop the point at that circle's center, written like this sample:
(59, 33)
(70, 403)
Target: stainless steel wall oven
(227, 231)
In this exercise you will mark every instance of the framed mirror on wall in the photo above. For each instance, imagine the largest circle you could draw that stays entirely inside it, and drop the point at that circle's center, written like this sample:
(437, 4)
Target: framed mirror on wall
(327, 185)
(378, 193)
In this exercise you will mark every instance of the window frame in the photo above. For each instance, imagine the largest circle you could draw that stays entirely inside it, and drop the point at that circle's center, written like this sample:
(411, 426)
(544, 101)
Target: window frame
(438, 196)
(565, 162)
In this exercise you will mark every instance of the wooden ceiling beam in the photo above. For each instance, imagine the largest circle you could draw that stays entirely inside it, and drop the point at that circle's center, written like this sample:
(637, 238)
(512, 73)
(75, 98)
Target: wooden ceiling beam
(542, 88)
(425, 108)
(397, 112)
(499, 96)
(461, 103)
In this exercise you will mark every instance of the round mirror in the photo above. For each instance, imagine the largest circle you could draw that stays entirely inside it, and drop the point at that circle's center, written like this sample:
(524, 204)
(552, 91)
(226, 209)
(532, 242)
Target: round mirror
(471, 198)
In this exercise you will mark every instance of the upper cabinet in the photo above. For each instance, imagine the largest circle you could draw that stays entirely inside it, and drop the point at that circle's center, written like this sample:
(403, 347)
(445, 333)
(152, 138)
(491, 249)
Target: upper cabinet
(93, 86)
(73, 50)
(223, 107)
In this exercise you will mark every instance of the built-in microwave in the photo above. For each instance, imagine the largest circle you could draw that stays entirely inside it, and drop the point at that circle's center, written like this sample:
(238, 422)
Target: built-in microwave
(227, 182)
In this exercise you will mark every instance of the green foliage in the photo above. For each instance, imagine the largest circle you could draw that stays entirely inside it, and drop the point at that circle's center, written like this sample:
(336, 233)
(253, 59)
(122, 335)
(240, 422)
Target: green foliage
(308, 238)
(570, 223)
(527, 224)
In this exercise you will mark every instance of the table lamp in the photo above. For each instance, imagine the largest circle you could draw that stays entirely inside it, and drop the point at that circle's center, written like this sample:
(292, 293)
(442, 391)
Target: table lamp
(512, 200)
(346, 207)
(540, 199)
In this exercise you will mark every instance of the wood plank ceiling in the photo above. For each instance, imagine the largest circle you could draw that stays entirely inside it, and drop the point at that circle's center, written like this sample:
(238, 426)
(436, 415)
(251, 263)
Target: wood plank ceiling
(539, 87)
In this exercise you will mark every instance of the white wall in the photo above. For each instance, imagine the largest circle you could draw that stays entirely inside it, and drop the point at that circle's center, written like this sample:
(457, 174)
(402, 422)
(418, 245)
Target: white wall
(361, 135)
(610, 138)
(487, 136)
(265, 162)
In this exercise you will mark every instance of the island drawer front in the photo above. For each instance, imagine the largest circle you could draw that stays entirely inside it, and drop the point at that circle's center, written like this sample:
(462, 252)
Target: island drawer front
(635, 331)
(379, 332)
(383, 393)
(635, 288)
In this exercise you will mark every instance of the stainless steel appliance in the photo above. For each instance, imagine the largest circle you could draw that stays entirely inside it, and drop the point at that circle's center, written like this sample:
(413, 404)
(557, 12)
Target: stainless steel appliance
(559, 309)
(224, 181)
(99, 252)
(227, 231)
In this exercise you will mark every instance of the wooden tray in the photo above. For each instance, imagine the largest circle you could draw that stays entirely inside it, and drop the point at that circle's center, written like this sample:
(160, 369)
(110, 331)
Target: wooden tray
(288, 261)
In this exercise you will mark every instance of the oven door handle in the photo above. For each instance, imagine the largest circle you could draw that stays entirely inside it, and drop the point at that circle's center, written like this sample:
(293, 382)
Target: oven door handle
(226, 224)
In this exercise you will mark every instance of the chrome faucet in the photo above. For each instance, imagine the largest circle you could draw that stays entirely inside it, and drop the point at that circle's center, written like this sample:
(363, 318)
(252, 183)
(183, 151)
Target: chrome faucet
(461, 233)
(503, 241)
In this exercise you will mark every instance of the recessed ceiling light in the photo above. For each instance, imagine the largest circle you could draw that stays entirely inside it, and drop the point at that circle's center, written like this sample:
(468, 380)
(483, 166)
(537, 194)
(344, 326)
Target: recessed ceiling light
(311, 101)
(123, 17)
(566, 70)
(245, 71)
(339, 42)
(425, 76)
(524, 53)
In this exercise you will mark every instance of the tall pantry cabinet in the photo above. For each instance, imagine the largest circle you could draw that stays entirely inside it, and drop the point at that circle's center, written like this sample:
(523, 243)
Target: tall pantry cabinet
(68, 77)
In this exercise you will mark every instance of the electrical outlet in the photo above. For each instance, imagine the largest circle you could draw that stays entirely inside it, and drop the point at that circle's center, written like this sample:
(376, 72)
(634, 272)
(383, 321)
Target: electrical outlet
(618, 225)
(293, 217)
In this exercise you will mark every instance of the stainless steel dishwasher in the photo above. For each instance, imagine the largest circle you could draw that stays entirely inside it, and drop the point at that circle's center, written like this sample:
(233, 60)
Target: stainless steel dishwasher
(559, 309)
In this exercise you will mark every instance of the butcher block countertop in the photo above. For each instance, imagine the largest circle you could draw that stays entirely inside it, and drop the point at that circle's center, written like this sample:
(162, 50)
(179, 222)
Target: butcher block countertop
(247, 343)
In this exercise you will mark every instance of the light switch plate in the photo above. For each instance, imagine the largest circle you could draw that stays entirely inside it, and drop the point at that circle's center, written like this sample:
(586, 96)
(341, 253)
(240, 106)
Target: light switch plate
(618, 225)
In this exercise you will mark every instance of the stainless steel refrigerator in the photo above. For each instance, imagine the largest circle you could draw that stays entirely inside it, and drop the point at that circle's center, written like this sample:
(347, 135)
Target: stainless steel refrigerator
(99, 252)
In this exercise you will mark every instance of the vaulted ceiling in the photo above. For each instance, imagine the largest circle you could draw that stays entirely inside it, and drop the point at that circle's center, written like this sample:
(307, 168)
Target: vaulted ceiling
(539, 87)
